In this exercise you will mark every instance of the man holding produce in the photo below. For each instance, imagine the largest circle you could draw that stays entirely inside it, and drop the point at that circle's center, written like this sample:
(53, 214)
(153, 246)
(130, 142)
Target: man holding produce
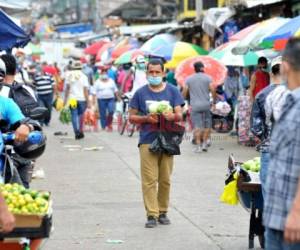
(150, 105)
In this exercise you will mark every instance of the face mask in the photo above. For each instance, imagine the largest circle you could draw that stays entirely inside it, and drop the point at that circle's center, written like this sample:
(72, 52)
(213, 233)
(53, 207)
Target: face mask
(103, 76)
(154, 80)
(141, 66)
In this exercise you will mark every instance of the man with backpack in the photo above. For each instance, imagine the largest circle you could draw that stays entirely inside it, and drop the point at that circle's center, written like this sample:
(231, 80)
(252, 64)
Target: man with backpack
(24, 96)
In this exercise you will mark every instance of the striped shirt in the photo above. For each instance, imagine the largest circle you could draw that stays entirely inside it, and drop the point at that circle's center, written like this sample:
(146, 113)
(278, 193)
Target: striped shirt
(44, 84)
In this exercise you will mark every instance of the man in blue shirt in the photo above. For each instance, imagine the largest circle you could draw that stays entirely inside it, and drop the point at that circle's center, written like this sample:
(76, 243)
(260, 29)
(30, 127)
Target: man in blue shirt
(155, 168)
(282, 199)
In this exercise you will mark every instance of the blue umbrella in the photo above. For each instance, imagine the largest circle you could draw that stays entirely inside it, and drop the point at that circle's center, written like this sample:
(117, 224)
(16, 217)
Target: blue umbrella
(11, 35)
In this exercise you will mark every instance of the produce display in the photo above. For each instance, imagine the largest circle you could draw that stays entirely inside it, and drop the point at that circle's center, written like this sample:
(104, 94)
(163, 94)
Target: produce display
(160, 107)
(25, 201)
(252, 165)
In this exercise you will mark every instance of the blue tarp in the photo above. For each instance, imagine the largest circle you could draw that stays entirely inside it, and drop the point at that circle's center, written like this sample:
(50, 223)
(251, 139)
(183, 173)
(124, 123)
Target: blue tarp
(11, 35)
(75, 28)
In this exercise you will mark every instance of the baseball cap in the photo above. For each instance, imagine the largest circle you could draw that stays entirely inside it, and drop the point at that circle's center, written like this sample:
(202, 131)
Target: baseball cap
(140, 59)
(275, 61)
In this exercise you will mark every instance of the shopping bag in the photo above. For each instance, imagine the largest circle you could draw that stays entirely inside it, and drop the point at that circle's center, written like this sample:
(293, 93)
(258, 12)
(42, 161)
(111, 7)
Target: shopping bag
(230, 193)
(58, 103)
(169, 139)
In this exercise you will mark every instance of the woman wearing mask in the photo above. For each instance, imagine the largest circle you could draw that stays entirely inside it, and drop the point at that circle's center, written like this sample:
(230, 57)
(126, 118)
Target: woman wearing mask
(106, 92)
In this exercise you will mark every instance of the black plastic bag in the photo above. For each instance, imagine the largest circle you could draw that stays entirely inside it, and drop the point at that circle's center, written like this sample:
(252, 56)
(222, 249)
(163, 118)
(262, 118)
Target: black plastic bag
(169, 138)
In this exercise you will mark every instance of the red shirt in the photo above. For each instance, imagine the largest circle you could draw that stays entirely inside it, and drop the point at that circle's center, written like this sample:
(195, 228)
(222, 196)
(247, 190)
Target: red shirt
(262, 81)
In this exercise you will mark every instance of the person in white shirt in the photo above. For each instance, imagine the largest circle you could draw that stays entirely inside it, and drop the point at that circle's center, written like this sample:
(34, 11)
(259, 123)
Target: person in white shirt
(106, 92)
(77, 88)
(139, 74)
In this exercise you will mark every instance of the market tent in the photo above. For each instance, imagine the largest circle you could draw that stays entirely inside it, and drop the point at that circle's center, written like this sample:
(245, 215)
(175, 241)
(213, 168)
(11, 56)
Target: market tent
(11, 35)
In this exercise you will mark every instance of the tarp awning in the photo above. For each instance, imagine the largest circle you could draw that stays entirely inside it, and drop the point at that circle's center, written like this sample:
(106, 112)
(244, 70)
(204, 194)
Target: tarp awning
(11, 35)
(253, 3)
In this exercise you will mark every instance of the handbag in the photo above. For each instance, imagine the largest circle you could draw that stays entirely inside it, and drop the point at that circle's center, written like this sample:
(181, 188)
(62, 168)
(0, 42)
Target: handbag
(169, 138)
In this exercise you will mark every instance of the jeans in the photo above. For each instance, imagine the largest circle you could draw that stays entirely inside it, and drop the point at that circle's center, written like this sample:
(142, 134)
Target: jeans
(77, 116)
(264, 162)
(274, 241)
(106, 106)
(46, 101)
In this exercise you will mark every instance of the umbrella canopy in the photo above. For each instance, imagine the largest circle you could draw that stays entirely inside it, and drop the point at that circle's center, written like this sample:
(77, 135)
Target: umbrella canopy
(129, 56)
(104, 53)
(157, 42)
(212, 67)
(94, 48)
(125, 45)
(177, 52)
(253, 36)
(279, 38)
(11, 35)
(224, 54)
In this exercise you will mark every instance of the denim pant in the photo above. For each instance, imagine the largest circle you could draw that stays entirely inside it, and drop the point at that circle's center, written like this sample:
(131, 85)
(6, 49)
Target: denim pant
(106, 106)
(274, 241)
(264, 162)
(77, 116)
(46, 101)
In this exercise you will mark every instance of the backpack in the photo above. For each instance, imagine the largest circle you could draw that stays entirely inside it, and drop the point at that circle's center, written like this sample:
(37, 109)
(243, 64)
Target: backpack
(23, 98)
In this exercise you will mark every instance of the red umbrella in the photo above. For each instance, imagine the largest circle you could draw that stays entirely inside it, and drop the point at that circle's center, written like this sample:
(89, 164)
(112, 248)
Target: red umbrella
(212, 67)
(105, 49)
(94, 48)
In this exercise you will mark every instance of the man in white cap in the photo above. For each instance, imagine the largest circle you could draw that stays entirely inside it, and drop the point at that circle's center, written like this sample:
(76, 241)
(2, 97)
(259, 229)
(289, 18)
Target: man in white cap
(262, 117)
(139, 75)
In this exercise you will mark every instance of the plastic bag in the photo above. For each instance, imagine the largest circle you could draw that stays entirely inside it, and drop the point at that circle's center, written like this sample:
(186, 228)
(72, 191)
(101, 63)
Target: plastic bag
(168, 139)
(65, 116)
(230, 193)
(58, 103)
(222, 109)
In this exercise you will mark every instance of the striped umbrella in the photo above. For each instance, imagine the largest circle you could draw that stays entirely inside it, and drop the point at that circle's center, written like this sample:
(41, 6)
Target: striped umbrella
(224, 54)
(158, 41)
(279, 38)
(251, 37)
(176, 52)
(129, 56)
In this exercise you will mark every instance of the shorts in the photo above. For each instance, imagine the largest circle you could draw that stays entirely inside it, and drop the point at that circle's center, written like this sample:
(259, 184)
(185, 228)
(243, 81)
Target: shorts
(201, 119)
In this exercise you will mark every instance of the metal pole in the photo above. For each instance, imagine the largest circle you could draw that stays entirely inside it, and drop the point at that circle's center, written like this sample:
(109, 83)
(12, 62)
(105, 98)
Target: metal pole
(199, 8)
(158, 8)
(97, 16)
(78, 13)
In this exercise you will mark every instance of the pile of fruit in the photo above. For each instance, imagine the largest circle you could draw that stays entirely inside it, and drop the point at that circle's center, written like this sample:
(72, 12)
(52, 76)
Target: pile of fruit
(160, 107)
(25, 201)
(252, 165)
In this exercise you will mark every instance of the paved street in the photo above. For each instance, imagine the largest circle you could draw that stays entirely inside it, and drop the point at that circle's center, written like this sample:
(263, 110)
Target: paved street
(97, 196)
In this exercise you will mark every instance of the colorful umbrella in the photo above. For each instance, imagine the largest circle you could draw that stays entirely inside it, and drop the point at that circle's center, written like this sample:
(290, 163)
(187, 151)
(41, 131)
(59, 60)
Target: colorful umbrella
(158, 41)
(255, 34)
(94, 48)
(129, 56)
(177, 52)
(224, 54)
(212, 67)
(279, 38)
(104, 53)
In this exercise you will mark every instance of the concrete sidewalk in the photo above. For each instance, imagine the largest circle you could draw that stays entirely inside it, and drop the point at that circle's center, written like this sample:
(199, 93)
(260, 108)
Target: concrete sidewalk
(97, 196)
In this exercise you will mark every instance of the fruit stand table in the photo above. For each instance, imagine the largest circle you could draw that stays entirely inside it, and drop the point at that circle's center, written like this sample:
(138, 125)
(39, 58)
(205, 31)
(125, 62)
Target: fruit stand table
(250, 197)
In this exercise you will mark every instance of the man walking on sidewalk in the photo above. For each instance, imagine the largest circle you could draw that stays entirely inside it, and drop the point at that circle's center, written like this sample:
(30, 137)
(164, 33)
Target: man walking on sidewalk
(198, 86)
(156, 168)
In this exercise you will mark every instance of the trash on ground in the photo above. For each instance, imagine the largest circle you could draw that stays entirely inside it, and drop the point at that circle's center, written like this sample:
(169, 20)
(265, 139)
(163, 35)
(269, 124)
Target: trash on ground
(109, 241)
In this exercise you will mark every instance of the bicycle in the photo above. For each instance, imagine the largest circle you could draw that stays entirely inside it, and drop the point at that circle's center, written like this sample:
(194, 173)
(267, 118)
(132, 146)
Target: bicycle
(123, 118)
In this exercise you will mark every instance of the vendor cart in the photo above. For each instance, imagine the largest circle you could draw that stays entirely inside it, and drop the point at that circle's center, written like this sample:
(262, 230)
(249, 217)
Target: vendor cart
(250, 197)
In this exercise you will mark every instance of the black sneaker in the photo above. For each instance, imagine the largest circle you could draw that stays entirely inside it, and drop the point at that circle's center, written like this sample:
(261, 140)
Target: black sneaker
(151, 222)
(163, 219)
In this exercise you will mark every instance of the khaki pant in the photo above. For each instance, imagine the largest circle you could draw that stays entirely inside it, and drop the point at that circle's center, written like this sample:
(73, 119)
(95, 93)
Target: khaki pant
(156, 170)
